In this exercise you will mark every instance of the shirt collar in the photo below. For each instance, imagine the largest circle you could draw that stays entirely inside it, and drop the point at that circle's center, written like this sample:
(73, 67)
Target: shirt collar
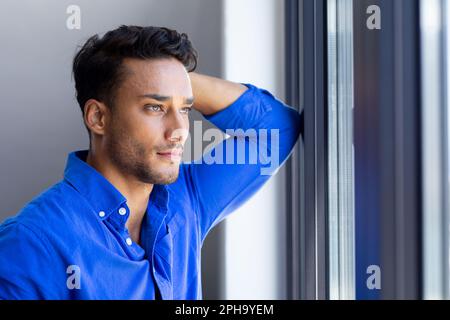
(99, 192)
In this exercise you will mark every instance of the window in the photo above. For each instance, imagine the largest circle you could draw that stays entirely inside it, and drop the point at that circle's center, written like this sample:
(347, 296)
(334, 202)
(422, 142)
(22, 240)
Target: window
(353, 67)
(340, 150)
(435, 144)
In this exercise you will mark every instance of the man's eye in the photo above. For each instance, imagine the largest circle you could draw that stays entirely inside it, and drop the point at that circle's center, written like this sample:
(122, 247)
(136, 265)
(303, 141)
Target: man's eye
(186, 110)
(154, 107)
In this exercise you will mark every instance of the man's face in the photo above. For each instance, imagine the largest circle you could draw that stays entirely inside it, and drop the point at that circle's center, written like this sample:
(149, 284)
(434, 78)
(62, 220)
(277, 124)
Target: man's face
(149, 121)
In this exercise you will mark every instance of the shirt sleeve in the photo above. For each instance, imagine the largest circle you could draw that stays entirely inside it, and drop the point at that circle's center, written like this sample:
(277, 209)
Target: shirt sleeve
(25, 264)
(262, 132)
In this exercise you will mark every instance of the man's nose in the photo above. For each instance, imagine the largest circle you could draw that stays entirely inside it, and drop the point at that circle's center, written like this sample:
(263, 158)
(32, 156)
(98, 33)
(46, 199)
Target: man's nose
(177, 129)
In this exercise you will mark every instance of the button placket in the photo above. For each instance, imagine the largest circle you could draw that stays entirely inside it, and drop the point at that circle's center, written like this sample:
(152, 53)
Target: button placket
(123, 213)
(162, 262)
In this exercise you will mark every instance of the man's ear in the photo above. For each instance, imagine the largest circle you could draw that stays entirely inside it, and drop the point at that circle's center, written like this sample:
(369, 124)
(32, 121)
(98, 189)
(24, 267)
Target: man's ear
(95, 114)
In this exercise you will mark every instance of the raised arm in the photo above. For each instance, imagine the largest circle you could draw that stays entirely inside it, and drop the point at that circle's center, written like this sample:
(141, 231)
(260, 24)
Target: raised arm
(259, 125)
(213, 94)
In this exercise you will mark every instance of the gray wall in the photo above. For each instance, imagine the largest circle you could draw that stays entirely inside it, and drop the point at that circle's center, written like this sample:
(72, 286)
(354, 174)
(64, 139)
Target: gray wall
(41, 122)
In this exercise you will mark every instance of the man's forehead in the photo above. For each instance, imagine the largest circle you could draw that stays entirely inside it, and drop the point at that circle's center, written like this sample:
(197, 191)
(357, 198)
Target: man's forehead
(159, 77)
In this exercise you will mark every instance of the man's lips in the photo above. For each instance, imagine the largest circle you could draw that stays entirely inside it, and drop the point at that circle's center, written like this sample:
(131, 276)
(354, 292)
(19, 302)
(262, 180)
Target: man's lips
(171, 154)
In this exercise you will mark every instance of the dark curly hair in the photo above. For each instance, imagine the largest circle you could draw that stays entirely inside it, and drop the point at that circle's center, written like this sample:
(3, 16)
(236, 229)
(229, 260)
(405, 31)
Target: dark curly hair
(97, 67)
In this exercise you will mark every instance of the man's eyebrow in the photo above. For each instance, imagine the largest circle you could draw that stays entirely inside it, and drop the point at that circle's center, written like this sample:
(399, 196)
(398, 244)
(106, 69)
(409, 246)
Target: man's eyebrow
(159, 97)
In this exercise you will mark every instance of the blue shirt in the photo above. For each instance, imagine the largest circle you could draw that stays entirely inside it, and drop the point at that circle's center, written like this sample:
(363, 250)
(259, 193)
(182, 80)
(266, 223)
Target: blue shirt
(70, 242)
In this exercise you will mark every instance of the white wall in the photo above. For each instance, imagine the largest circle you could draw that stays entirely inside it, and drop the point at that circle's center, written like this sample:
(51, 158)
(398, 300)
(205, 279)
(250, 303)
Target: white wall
(255, 239)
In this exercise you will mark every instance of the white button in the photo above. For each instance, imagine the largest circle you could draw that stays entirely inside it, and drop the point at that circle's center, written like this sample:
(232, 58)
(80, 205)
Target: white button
(122, 211)
(129, 241)
(101, 214)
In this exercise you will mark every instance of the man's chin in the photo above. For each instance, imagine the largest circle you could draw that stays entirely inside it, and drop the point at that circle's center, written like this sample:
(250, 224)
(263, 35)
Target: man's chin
(166, 176)
(169, 180)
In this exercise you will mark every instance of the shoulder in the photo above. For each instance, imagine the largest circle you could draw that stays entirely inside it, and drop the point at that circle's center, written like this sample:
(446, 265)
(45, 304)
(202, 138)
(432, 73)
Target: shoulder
(42, 211)
(55, 215)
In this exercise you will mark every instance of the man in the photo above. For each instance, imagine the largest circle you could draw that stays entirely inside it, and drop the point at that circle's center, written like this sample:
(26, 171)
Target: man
(129, 218)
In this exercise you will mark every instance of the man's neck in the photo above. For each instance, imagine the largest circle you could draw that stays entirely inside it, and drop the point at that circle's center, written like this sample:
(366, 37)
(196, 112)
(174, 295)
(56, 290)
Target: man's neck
(137, 193)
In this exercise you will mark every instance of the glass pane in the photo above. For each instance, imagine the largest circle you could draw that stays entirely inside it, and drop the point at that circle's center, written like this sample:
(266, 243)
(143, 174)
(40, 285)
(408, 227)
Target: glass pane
(447, 126)
(434, 33)
(340, 149)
